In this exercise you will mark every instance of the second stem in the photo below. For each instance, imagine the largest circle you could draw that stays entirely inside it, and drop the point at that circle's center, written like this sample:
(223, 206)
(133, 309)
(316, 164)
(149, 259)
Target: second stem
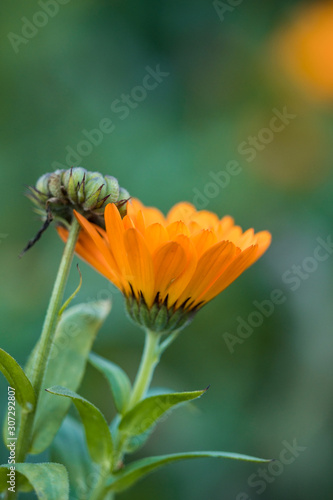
(150, 359)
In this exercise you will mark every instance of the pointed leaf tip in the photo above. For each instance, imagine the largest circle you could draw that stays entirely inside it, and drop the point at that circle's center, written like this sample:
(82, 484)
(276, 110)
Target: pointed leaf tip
(135, 471)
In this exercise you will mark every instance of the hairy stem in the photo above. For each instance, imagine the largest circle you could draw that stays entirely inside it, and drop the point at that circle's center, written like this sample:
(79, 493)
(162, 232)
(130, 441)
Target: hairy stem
(45, 342)
(150, 359)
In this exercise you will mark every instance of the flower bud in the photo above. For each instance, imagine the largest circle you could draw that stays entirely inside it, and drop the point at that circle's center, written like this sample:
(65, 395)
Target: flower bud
(42, 185)
(112, 188)
(87, 192)
(123, 194)
(73, 181)
(122, 198)
(55, 182)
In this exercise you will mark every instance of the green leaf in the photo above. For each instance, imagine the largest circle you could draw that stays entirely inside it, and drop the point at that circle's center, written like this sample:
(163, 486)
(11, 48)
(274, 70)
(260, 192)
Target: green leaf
(144, 415)
(50, 481)
(69, 448)
(134, 443)
(75, 334)
(17, 379)
(135, 471)
(118, 380)
(21, 482)
(97, 432)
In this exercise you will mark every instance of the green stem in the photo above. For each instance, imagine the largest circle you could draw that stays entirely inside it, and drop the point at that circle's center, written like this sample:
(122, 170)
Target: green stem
(150, 359)
(98, 493)
(45, 342)
(170, 338)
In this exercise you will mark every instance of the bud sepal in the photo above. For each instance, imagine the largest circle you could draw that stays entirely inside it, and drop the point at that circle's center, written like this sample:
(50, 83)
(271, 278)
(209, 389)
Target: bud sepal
(63, 191)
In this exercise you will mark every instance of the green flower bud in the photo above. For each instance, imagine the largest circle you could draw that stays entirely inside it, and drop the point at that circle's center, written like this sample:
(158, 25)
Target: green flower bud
(42, 185)
(87, 192)
(79, 174)
(55, 183)
(92, 202)
(65, 177)
(123, 194)
(93, 182)
(122, 198)
(74, 180)
(112, 188)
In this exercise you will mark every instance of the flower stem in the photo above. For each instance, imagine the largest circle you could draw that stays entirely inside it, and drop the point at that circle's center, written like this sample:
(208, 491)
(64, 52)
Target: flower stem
(150, 359)
(45, 342)
(98, 492)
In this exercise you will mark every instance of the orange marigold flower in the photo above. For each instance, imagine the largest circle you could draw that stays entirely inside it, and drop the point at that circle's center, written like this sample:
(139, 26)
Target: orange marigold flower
(168, 267)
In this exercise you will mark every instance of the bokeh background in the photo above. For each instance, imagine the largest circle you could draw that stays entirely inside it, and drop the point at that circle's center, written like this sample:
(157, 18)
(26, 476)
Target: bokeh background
(229, 67)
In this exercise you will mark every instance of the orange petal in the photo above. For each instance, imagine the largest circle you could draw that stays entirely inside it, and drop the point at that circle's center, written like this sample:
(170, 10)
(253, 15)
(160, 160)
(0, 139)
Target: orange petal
(115, 233)
(153, 215)
(88, 251)
(141, 274)
(127, 222)
(203, 241)
(210, 266)
(240, 263)
(263, 240)
(155, 236)
(206, 219)
(178, 286)
(169, 262)
(223, 226)
(140, 222)
(150, 214)
(233, 234)
(182, 211)
(133, 206)
(176, 228)
(94, 235)
(194, 227)
(247, 239)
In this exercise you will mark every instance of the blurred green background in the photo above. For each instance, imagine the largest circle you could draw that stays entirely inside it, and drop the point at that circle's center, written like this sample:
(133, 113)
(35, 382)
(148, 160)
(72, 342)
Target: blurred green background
(223, 80)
